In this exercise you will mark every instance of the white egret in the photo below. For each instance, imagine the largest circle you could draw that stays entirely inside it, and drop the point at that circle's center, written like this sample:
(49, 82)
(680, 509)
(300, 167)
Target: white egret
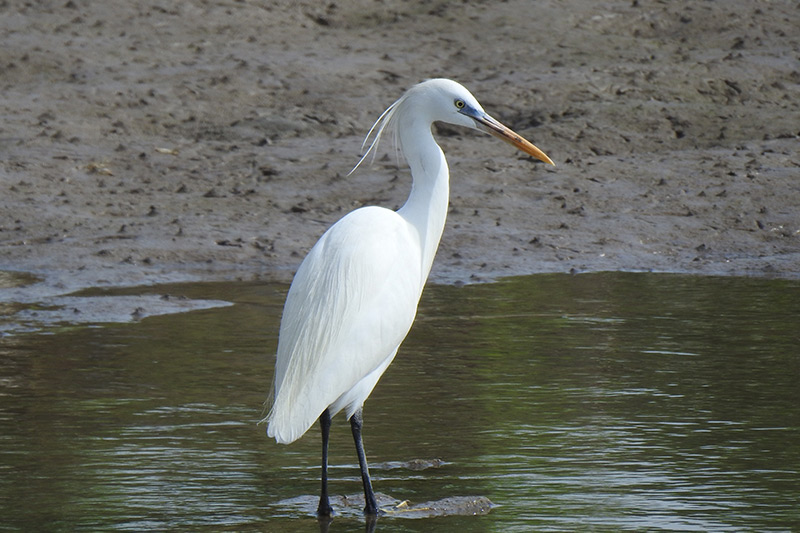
(355, 295)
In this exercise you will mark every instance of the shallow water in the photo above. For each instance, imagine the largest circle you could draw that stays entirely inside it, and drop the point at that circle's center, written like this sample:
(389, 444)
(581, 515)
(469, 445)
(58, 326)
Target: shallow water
(597, 401)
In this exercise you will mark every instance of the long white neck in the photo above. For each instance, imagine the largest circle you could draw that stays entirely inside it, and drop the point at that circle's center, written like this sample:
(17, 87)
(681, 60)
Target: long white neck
(426, 207)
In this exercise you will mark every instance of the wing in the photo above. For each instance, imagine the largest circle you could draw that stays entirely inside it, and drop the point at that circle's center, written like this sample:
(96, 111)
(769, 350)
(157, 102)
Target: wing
(350, 306)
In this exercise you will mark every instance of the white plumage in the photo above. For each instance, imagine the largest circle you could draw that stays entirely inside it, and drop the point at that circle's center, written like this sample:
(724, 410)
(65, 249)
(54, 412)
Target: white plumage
(355, 295)
(331, 337)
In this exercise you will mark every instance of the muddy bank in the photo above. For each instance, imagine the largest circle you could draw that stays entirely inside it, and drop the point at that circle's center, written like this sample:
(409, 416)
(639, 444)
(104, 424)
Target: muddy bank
(144, 143)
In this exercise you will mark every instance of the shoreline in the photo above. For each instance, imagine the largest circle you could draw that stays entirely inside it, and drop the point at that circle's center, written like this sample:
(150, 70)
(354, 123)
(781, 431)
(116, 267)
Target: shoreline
(212, 142)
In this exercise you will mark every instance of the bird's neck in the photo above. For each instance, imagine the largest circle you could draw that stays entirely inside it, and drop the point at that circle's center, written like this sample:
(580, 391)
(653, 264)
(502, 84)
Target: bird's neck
(426, 207)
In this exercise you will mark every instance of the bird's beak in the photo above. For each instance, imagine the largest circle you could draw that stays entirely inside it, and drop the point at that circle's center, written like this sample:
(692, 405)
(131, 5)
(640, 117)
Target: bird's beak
(493, 127)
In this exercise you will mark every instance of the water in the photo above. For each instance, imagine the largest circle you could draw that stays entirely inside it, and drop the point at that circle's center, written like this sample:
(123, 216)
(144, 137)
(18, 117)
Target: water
(600, 401)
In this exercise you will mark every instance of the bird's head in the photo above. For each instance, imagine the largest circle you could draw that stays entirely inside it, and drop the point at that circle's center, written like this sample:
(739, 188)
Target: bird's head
(450, 102)
(443, 100)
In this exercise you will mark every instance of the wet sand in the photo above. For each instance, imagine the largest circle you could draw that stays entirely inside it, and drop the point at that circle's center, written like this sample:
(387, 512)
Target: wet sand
(212, 140)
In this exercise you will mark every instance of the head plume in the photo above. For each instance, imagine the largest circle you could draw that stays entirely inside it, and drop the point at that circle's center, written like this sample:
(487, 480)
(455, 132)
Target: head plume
(378, 129)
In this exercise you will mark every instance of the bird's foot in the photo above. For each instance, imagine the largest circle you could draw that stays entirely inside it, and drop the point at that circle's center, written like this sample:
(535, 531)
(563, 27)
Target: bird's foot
(324, 510)
(372, 509)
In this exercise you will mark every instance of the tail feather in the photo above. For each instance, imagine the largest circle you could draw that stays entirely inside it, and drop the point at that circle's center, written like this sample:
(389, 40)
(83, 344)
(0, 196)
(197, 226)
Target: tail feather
(288, 425)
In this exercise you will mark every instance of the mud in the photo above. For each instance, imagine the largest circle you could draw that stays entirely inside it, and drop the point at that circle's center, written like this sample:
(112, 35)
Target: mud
(352, 505)
(211, 140)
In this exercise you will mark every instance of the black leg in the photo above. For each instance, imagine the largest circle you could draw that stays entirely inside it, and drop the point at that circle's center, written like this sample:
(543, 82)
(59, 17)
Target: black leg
(324, 508)
(371, 507)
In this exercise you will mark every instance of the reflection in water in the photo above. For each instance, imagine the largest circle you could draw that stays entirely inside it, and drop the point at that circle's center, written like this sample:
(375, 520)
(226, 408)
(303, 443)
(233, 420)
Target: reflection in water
(325, 522)
(602, 401)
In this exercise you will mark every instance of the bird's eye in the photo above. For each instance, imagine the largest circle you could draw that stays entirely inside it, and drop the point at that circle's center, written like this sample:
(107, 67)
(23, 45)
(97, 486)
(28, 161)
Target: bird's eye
(460, 104)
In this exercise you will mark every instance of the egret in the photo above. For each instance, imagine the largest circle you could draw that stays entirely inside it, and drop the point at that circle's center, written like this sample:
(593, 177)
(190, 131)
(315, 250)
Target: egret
(355, 295)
